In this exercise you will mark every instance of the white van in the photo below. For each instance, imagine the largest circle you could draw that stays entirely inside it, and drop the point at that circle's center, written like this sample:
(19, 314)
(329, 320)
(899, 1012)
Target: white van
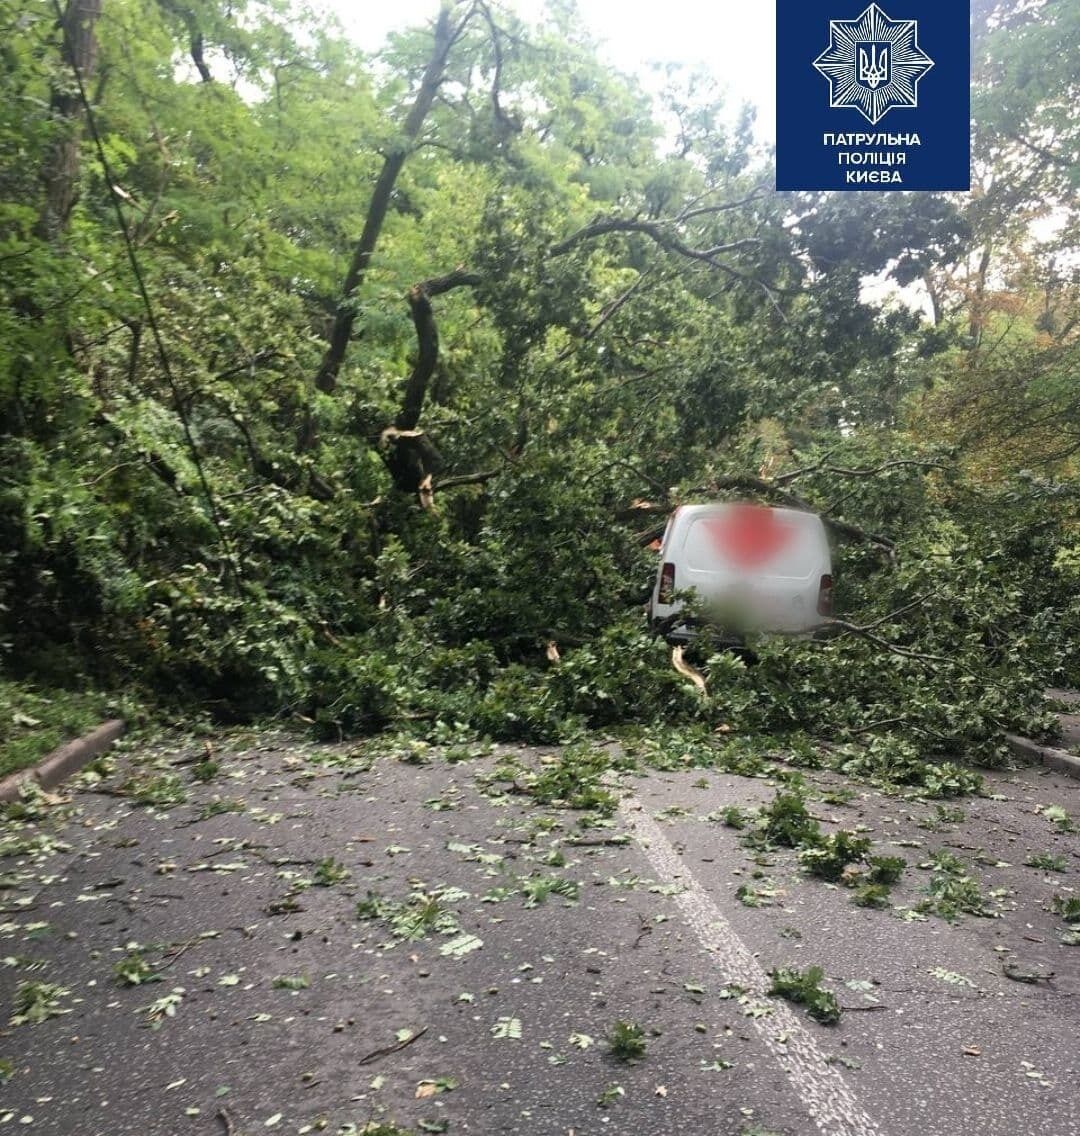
(751, 567)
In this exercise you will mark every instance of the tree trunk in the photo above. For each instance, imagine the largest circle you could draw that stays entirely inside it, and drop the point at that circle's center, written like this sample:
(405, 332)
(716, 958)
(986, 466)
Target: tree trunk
(446, 34)
(60, 173)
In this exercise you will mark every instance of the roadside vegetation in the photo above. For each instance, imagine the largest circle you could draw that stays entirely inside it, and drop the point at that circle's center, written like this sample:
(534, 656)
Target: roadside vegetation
(33, 723)
(424, 348)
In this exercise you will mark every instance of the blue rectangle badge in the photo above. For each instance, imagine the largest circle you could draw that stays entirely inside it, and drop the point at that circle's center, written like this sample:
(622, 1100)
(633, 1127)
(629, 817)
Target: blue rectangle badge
(873, 97)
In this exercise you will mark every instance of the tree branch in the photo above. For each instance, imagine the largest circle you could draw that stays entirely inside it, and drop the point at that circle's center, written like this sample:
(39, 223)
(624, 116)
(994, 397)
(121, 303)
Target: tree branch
(446, 35)
(668, 241)
(459, 479)
(840, 471)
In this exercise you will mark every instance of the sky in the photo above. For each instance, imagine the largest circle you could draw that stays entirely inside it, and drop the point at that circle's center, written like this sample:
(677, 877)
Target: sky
(733, 39)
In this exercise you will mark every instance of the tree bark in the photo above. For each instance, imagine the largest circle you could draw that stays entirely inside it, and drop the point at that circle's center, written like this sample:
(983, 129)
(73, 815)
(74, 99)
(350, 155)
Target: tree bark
(446, 35)
(60, 172)
(410, 455)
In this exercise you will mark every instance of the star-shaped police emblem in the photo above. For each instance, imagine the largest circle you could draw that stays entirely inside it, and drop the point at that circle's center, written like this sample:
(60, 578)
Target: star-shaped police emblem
(873, 64)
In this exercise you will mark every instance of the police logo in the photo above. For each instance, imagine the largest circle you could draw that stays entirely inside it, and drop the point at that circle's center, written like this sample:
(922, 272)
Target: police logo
(873, 64)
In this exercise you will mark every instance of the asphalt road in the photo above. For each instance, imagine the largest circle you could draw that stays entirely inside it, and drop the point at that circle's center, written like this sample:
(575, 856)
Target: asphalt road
(274, 1009)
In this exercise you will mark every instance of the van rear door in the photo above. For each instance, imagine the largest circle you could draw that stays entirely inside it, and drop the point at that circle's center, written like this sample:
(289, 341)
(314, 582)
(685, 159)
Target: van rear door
(762, 567)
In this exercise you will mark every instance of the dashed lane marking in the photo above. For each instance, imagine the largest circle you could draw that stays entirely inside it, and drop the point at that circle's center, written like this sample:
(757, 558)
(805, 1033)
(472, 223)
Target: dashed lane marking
(821, 1087)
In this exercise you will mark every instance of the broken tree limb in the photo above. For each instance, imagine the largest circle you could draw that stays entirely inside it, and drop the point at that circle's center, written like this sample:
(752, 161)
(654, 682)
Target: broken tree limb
(836, 628)
(410, 455)
(427, 338)
(459, 479)
(687, 671)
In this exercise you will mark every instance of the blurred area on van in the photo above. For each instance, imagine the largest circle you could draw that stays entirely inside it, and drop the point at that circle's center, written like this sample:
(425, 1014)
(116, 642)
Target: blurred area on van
(741, 568)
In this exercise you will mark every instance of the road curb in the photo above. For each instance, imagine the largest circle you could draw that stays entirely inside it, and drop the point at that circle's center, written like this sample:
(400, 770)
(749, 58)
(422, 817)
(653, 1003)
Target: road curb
(1056, 759)
(63, 762)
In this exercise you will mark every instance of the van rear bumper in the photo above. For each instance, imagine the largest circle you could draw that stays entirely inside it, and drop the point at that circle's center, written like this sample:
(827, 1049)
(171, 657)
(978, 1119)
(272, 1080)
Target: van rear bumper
(687, 630)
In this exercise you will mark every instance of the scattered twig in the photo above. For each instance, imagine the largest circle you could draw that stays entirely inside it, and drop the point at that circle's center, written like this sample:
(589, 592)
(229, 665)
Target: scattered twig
(226, 1118)
(375, 1054)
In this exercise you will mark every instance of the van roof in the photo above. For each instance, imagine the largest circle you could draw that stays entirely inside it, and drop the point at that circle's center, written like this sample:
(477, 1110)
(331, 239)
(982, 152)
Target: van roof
(696, 510)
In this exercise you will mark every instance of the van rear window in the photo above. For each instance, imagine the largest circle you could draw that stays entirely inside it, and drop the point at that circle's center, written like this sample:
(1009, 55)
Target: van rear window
(752, 541)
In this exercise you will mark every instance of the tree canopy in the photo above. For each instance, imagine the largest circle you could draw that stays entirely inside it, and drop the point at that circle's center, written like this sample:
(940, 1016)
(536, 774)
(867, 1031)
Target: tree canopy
(353, 388)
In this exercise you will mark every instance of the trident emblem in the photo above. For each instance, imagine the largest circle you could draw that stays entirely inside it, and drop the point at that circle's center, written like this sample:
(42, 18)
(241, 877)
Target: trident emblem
(874, 64)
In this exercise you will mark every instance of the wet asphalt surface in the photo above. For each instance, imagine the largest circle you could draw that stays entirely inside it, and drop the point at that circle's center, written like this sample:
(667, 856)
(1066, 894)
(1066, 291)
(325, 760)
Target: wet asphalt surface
(274, 1008)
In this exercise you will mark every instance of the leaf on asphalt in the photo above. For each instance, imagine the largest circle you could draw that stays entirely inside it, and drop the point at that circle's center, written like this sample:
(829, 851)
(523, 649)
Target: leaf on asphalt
(581, 1040)
(292, 982)
(432, 1087)
(847, 1062)
(507, 1028)
(950, 976)
(461, 945)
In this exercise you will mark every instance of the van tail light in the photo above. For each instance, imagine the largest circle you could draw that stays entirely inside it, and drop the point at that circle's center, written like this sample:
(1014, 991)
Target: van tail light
(824, 599)
(667, 584)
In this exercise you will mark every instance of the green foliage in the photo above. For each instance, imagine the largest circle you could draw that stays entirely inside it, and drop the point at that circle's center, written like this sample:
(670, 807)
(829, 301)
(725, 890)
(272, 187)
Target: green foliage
(292, 982)
(413, 919)
(330, 872)
(32, 724)
(886, 870)
(537, 889)
(205, 770)
(831, 859)
(161, 790)
(803, 987)
(35, 1002)
(594, 381)
(1068, 907)
(951, 891)
(626, 1041)
(784, 822)
(871, 895)
(574, 779)
(893, 763)
(733, 816)
(134, 970)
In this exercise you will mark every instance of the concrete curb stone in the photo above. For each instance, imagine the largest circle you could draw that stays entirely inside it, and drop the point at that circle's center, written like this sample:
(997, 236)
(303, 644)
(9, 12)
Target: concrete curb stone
(1057, 759)
(63, 762)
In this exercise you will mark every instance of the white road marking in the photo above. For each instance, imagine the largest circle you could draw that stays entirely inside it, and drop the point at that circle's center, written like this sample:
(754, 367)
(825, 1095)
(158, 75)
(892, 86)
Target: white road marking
(823, 1090)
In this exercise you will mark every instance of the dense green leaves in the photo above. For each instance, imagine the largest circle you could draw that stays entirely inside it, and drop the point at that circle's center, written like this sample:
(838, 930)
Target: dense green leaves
(644, 323)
